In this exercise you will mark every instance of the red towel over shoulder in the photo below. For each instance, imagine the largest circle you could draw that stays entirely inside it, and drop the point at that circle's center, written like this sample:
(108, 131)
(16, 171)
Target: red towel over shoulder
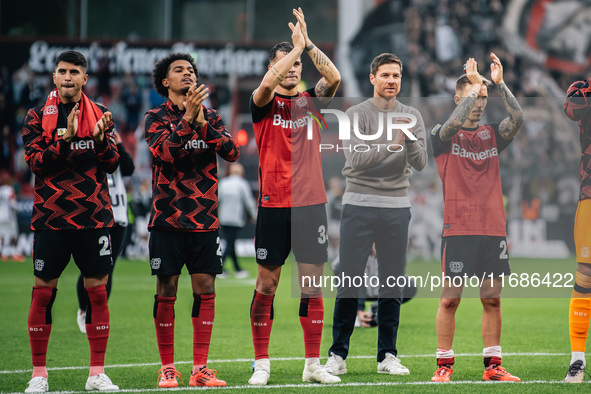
(90, 113)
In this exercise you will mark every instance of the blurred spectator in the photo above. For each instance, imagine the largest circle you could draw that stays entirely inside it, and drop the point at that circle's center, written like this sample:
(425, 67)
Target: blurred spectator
(236, 204)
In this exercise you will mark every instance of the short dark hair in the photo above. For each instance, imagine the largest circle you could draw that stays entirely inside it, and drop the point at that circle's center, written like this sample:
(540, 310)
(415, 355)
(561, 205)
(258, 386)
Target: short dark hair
(384, 58)
(72, 57)
(163, 65)
(464, 80)
(284, 46)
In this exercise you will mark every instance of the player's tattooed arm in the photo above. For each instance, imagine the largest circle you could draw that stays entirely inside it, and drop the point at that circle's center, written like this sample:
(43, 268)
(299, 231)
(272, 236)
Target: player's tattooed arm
(280, 77)
(511, 125)
(331, 78)
(458, 117)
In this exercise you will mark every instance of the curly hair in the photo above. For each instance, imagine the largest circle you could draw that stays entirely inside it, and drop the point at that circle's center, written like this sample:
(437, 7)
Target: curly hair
(162, 66)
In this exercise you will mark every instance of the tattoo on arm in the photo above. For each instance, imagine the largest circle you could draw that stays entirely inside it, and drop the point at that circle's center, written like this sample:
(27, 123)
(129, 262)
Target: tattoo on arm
(277, 74)
(511, 125)
(458, 117)
(320, 59)
(324, 91)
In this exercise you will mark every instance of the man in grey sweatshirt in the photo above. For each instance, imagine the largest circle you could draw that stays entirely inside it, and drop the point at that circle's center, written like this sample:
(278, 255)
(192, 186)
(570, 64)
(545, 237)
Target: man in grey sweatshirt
(376, 209)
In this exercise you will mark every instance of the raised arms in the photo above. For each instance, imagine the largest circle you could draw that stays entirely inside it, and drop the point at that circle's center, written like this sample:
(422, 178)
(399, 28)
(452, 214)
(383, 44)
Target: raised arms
(511, 125)
(465, 105)
(331, 78)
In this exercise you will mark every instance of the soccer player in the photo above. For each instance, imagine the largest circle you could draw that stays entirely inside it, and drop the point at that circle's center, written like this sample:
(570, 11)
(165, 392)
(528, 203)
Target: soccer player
(118, 198)
(376, 209)
(70, 148)
(291, 197)
(474, 230)
(184, 136)
(576, 108)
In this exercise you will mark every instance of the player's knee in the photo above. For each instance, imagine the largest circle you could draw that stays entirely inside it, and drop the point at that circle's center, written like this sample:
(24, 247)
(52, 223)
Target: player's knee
(584, 269)
(491, 303)
(266, 285)
(450, 304)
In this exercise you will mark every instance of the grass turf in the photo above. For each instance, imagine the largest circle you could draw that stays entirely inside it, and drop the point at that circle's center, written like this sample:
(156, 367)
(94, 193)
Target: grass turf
(530, 325)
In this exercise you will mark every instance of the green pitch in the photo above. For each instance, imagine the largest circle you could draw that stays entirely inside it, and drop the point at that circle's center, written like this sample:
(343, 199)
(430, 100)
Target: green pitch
(535, 337)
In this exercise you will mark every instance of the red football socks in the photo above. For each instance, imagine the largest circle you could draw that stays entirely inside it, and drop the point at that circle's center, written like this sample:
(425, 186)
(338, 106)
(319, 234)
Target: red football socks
(97, 331)
(312, 321)
(261, 321)
(164, 322)
(202, 317)
(39, 324)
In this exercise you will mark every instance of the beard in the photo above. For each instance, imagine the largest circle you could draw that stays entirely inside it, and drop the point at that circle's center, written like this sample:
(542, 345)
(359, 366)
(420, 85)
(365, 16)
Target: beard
(185, 90)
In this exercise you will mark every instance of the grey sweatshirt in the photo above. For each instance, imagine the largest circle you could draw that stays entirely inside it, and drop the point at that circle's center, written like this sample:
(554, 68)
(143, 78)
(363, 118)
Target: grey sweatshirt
(377, 177)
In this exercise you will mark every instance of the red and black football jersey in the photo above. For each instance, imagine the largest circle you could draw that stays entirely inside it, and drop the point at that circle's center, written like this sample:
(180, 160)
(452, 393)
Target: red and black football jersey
(184, 173)
(71, 190)
(290, 166)
(468, 165)
(576, 107)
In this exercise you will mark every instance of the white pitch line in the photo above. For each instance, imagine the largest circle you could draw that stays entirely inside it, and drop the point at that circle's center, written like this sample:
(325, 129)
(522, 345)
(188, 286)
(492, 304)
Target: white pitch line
(250, 360)
(313, 385)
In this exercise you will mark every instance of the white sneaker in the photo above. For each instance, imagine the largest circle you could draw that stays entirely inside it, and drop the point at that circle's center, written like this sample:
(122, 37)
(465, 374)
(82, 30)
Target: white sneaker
(223, 275)
(100, 382)
(316, 373)
(242, 274)
(391, 364)
(262, 372)
(335, 365)
(576, 373)
(37, 385)
(81, 319)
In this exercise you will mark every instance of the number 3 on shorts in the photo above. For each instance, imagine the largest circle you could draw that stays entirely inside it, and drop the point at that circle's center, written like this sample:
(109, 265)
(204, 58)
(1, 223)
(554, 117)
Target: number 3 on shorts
(322, 234)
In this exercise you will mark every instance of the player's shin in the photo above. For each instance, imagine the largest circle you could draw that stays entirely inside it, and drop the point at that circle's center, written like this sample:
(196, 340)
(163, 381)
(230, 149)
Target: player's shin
(261, 321)
(202, 318)
(164, 322)
(39, 323)
(97, 327)
(312, 321)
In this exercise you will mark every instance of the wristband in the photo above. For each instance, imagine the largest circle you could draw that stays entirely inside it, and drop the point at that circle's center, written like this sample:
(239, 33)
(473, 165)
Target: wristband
(310, 47)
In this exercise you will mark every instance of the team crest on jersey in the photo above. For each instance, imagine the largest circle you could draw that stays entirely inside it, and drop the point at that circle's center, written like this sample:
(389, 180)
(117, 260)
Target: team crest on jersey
(280, 104)
(39, 264)
(61, 131)
(155, 263)
(461, 136)
(585, 251)
(484, 134)
(261, 253)
(50, 110)
(456, 266)
(301, 102)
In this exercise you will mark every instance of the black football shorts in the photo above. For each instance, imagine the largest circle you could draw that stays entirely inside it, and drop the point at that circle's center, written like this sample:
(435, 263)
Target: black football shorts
(474, 255)
(91, 249)
(169, 250)
(301, 229)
